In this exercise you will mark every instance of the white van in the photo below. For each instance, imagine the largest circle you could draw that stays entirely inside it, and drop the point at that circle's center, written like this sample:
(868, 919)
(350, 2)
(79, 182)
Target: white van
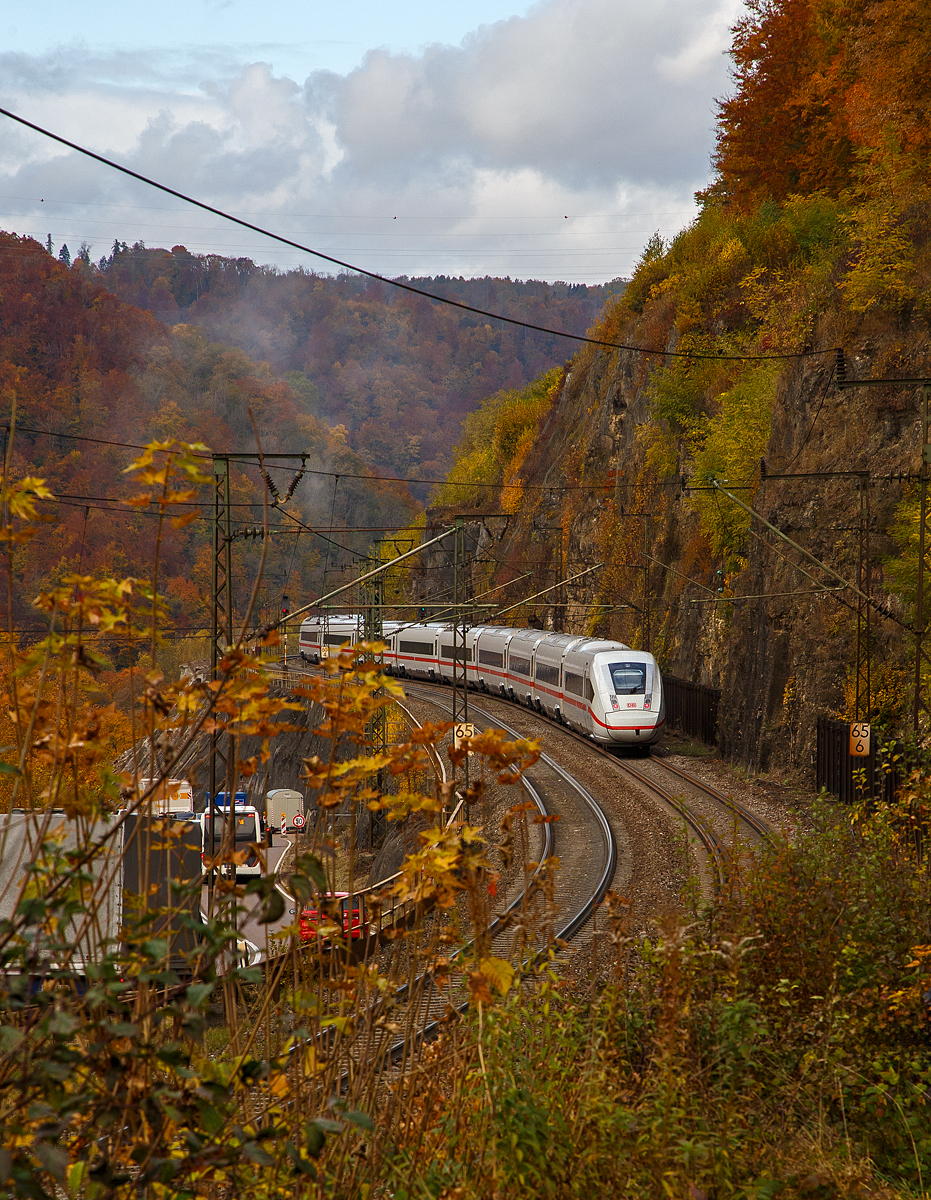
(247, 834)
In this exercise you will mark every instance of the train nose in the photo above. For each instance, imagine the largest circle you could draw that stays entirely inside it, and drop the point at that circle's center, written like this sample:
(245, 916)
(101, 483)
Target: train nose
(623, 733)
(631, 727)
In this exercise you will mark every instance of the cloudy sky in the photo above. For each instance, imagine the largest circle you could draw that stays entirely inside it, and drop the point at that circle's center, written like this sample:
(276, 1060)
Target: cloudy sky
(544, 140)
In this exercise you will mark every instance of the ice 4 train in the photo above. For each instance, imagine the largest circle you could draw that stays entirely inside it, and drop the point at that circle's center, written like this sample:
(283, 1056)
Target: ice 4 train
(598, 687)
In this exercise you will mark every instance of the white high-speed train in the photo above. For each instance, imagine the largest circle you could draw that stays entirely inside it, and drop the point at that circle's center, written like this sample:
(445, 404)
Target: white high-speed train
(601, 688)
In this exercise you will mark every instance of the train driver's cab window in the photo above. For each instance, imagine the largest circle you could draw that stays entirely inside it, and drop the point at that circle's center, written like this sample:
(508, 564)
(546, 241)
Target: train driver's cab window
(628, 679)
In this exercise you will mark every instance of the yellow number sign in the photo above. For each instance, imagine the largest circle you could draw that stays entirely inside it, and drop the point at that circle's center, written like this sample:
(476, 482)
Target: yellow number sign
(859, 739)
(462, 732)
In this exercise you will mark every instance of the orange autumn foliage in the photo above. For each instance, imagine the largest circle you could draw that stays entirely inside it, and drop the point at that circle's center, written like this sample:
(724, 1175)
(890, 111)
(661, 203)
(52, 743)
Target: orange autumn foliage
(822, 86)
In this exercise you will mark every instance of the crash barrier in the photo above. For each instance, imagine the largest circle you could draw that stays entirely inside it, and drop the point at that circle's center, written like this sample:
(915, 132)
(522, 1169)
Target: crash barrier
(849, 778)
(692, 708)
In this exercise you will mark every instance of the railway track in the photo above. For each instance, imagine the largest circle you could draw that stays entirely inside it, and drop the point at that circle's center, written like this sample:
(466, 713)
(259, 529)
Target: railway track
(581, 823)
(583, 840)
(711, 816)
(585, 874)
(584, 878)
(580, 817)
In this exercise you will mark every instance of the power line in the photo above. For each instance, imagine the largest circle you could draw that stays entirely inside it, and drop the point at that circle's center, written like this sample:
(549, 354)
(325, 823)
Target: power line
(407, 287)
(532, 487)
(674, 212)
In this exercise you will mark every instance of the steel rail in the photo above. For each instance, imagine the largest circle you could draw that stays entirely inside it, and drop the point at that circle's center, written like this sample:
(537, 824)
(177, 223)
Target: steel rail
(708, 839)
(429, 1031)
(604, 826)
(740, 810)
(579, 918)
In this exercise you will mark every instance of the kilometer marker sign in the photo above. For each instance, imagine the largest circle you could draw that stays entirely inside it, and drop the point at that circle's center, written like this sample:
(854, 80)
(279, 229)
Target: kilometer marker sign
(859, 739)
(462, 732)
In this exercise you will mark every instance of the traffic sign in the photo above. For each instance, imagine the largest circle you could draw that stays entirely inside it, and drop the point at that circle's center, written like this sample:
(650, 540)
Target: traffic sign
(859, 739)
(462, 732)
(298, 820)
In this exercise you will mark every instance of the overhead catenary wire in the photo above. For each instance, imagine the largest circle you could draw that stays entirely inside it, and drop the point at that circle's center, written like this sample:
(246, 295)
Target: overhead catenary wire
(369, 476)
(407, 287)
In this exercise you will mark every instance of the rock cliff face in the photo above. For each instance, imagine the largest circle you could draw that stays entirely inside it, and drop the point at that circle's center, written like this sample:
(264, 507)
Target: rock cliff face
(606, 482)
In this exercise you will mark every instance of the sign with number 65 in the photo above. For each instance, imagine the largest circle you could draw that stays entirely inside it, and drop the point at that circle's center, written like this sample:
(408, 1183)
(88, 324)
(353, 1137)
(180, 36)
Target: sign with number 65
(859, 739)
(462, 731)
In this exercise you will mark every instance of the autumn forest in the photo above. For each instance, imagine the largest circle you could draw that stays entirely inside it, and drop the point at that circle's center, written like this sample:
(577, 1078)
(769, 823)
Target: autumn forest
(730, 479)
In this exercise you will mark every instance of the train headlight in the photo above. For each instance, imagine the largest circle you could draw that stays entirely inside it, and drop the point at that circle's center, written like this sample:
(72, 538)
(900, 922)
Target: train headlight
(646, 701)
(614, 703)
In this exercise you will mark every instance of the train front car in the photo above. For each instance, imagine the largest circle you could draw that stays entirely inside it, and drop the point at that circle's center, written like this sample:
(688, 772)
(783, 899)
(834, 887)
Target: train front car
(628, 706)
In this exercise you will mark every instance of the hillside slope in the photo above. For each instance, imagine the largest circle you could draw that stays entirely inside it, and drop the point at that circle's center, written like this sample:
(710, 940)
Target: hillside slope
(90, 377)
(398, 371)
(619, 463)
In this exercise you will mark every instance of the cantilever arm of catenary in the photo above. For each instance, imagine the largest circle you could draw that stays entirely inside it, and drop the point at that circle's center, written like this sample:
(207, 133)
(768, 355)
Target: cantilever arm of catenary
(536, 595)
(368, 575)
(811, 558)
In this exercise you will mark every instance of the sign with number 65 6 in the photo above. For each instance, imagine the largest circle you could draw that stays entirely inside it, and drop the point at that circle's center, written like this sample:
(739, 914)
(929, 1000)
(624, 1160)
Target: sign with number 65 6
(462, 732)
(859, 739)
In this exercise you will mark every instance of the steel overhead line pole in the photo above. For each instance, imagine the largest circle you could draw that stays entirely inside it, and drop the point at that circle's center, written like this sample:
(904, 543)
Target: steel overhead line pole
(222, 575)
(221, 632)
(647, 633)
(921, 630)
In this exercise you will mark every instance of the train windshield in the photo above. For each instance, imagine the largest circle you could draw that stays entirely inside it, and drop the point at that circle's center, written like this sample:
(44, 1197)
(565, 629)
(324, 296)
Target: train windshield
(628, 678)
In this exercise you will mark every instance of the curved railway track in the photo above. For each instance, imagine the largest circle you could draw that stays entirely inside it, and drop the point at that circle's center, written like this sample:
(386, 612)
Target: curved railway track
(559, 794)
(579, 815)
(700, 807)
(583, 882)
(586, 872)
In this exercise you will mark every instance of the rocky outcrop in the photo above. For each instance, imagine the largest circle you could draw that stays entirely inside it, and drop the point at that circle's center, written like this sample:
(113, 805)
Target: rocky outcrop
(606, 483)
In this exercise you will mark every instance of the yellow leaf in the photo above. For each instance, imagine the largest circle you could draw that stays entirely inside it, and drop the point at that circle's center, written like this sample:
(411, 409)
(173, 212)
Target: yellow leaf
(499, 973)
(279, 1085)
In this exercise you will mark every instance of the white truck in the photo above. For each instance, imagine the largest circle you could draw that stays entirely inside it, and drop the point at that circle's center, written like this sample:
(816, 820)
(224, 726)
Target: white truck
(284, 809)
(168, 795)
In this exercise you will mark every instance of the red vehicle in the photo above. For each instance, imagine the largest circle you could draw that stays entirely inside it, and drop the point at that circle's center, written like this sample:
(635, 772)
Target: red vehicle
(335, 912)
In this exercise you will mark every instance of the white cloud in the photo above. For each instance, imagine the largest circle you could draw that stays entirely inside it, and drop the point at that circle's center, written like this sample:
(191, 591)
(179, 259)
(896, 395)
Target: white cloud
(704, 49)
(596, 110)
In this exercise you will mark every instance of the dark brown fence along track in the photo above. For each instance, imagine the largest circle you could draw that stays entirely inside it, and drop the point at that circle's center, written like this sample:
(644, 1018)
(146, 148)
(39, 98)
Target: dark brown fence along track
(692, 708)
(834, 768)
